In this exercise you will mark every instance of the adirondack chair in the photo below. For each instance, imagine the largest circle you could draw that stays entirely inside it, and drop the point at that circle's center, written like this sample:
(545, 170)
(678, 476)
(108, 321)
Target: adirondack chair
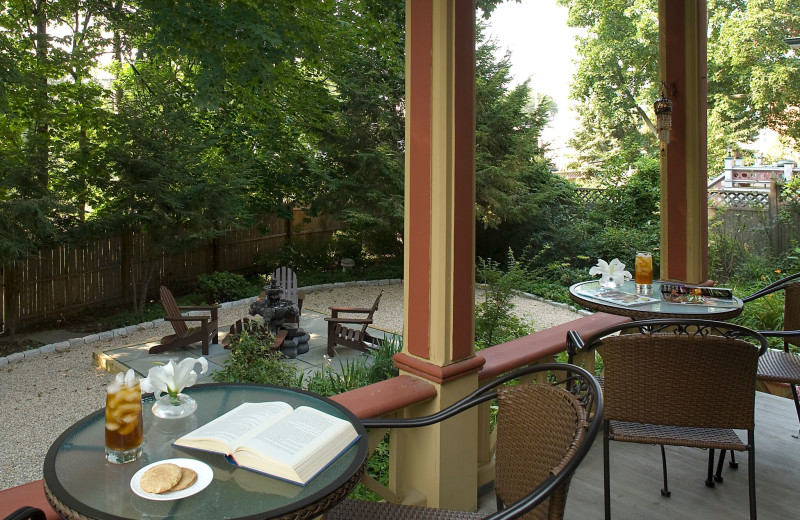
(287, 281)
(356, 338)
(184, 335)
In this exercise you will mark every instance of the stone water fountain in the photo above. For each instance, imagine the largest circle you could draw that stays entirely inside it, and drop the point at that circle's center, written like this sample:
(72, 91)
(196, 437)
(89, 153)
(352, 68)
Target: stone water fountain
(275, 311)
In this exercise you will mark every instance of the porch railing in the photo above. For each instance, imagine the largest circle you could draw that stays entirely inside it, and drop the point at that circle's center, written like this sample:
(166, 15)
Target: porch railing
(397, 396)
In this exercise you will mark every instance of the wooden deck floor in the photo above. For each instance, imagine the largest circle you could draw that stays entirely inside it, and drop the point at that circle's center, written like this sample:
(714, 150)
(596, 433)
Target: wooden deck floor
(636, 477)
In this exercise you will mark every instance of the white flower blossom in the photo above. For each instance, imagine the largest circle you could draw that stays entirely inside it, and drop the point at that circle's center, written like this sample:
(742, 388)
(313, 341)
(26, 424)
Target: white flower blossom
(171, 378)
(612, 274)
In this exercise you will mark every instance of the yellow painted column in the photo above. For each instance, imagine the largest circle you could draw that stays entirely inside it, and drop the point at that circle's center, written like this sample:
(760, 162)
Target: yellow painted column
(439, 462)
(684, 206)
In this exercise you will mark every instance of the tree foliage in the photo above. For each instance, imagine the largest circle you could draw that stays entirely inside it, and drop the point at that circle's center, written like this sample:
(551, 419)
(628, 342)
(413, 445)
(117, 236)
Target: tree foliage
(184, 119)
(751, 73)
(617, 77)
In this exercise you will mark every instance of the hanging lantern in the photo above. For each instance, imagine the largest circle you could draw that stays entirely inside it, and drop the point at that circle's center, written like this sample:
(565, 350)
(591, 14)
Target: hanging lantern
(663, 109)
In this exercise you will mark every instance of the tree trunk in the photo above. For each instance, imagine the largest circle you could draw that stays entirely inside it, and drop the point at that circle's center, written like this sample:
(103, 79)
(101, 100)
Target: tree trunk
(40, 152)
(118, 57)
(10, 300)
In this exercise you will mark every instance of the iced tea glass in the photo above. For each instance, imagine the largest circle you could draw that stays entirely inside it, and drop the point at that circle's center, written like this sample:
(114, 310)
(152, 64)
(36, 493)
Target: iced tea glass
(124, 420)
(643, 273)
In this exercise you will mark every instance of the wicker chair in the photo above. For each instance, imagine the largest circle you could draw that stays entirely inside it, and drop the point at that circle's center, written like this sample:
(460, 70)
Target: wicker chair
(783, 366)
(656, 384)
(543, 433)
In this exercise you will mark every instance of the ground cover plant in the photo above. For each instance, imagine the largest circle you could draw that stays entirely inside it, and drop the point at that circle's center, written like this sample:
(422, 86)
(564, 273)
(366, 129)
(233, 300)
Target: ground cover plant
(494, 321)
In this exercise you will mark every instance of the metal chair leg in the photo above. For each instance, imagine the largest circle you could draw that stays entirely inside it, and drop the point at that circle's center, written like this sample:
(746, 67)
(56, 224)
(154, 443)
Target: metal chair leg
(718, 477)
(606, 471)
(665, 490)
(796, 401)
(733, 464)
(710, 478)
(751, 472)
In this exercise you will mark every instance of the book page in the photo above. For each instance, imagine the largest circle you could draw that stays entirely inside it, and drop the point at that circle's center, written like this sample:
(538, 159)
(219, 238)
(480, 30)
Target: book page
(299, 433)
(233, 427)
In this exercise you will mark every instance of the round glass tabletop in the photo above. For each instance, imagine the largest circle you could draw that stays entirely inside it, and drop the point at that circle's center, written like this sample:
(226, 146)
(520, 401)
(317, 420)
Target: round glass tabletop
(584, 294)
(77, 474)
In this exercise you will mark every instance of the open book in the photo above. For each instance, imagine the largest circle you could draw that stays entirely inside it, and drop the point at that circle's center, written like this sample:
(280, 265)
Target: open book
(273, 438)
(694, 295)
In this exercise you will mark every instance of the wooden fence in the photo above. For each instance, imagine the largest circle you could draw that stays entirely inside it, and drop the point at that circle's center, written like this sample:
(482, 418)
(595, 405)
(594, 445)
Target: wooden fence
(761, 220)
(67, 280)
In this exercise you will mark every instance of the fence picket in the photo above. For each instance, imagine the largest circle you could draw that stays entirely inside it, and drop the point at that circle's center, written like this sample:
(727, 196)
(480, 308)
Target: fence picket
(65, 280)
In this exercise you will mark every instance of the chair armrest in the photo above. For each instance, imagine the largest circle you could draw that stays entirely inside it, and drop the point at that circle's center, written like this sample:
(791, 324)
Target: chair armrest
(27, 513)
(199, 307)
(778, 333)
(771, 288)
(360, 321)
(188, 318)
(350, 309)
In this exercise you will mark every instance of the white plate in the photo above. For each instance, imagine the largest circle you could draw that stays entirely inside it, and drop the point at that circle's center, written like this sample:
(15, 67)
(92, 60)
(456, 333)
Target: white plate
(204, 477)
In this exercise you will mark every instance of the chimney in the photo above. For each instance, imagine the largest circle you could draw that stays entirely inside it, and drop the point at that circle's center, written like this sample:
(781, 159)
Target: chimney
(728, 183)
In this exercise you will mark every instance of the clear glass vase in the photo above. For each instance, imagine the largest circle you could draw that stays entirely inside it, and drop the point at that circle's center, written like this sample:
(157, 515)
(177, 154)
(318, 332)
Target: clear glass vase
(168, 407)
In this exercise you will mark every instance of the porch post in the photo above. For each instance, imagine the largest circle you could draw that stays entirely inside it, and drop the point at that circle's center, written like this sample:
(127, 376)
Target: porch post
(440, 462)
(684, 205)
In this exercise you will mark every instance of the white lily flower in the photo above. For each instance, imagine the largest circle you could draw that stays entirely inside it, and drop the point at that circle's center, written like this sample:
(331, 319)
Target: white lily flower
(171, 378)
(612, 274)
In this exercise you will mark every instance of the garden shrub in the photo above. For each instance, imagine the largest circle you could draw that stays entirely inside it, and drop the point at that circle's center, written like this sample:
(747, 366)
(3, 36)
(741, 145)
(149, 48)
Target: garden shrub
(222, 286)
(494, 321)
(354, 373)
(305, 256)
(252, 360)
(362, 371)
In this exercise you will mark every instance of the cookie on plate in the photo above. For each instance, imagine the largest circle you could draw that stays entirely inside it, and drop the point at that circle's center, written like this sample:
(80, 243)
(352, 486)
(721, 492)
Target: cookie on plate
(188, 477)
(161, 478)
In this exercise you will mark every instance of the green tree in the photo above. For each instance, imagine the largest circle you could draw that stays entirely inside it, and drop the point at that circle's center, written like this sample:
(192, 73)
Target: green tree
(173, 179)
(508, 143)
(750, 75)
(363, 141)
(50, 111)
(752, 72)
(617, 78)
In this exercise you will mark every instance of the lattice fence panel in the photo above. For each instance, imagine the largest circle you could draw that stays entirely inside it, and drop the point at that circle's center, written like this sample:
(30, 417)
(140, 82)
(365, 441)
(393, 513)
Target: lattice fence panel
(593, 195)
(791, 195)
(738, 199)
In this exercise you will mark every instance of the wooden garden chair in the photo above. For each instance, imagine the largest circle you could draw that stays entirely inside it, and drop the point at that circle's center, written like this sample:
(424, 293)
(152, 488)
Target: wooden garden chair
(356, 338)
(206, 332)
(287, 280)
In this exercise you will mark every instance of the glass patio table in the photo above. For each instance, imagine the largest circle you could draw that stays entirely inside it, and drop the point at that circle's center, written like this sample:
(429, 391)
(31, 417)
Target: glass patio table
(80, 483)
(654, 310)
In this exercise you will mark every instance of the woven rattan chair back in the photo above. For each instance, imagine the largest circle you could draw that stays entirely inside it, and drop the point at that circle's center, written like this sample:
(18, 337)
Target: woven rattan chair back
(543, 433)
(536, 436)
(665, 378)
